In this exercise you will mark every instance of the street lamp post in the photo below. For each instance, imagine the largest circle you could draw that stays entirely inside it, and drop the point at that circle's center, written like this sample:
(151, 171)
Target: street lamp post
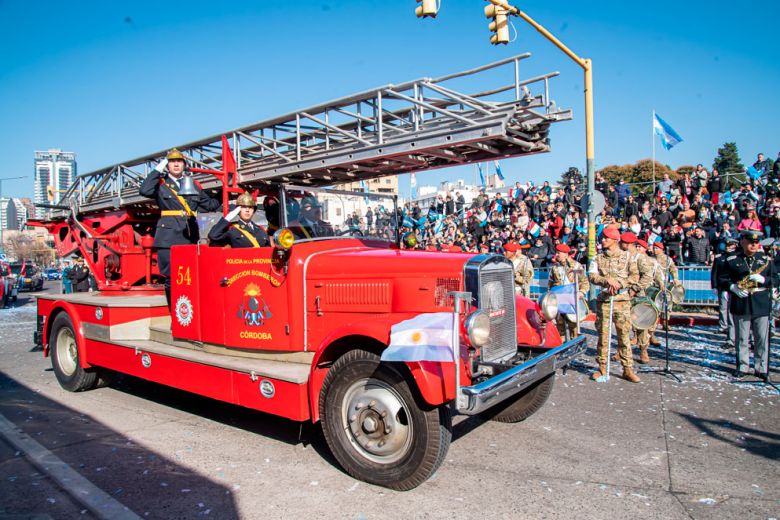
(590, 147)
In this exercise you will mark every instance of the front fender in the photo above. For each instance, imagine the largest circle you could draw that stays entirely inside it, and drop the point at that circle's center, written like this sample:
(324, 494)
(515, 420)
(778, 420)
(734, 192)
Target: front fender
(435, 381)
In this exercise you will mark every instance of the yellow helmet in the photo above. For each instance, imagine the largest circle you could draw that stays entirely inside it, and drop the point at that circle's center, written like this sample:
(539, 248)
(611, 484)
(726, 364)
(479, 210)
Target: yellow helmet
(246, 199)
(175, 154)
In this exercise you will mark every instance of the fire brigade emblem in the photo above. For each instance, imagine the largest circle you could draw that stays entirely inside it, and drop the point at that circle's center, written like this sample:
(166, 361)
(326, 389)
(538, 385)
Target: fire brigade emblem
(254, 311)
(183, 311)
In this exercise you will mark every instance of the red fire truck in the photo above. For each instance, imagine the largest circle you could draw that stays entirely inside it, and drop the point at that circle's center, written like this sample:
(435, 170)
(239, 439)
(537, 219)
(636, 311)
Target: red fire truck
(297, 329)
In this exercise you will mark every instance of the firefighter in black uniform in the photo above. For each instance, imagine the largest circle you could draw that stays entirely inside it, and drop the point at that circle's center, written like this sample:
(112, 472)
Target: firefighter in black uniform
(309, 223)
(237, 229)
(177, 224)
(79, 276)
(750, 276)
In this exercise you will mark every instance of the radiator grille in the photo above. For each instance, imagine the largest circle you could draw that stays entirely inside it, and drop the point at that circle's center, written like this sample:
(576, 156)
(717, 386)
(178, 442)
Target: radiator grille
(497, 297)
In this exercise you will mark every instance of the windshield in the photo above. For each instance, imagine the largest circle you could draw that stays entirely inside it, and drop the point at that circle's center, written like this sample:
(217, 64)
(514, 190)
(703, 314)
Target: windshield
(321, 213)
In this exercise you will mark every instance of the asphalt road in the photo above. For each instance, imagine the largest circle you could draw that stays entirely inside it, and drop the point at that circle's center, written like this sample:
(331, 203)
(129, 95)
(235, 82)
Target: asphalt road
(703, 448)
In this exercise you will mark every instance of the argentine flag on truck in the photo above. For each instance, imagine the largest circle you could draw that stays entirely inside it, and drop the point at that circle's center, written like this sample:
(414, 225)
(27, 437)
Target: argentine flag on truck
(426, 337)
(567, 298)
(498, 170)
(668, 136)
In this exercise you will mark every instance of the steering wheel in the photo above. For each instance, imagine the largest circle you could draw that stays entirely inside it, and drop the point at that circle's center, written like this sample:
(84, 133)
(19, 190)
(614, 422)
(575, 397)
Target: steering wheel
(352, 231)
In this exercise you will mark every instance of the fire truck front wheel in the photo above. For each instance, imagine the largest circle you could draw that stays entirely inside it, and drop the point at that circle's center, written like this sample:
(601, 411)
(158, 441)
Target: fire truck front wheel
(65, 357)
(375, 427)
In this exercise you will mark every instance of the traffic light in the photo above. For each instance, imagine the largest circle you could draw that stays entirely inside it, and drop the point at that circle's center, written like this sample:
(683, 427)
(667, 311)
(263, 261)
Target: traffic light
(50, 192)
(428, 8)
(500, 24)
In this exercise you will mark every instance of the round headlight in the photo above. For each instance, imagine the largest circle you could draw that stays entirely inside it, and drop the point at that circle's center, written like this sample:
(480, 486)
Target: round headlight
(549, 305)
(478, 328)
(284, 239)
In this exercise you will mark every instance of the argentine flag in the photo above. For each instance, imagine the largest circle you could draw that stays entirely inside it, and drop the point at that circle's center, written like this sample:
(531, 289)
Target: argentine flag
(668, 136)
(567, 298)
(426, 337)
(498, 170)
(481, 174)
(533, 229)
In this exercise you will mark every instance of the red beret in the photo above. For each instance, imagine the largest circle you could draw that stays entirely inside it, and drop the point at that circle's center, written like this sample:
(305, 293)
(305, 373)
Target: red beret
(612, 233)
(659, 245)
(628, 237)
(641, 243)
(563, 248)
(511, 247)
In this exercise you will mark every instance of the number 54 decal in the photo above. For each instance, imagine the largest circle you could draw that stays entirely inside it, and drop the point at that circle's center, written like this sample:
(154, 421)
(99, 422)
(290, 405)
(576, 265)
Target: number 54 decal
(183, 276)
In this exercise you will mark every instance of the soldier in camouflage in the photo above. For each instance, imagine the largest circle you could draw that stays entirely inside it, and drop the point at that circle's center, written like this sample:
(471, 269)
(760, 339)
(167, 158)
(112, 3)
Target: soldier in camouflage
(645, 267)
(618, 277)
(667, 268)
(562, 273)
(524, 270)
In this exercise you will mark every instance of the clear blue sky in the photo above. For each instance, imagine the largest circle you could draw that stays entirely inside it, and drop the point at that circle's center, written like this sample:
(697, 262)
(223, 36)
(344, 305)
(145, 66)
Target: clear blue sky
(115, 80)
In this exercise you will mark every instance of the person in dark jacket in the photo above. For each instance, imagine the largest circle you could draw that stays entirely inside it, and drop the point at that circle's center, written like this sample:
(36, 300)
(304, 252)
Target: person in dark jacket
(539, 254)
(79, 276)
(715, 186)
(237, 229)
(177, 224)
(698, 248)
(750, 276)
(725, 319)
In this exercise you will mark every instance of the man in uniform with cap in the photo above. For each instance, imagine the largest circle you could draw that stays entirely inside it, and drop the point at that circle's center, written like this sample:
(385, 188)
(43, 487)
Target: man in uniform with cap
(237, 229)
(750, 276)
(618, 277)
(563, 272)
(177, 224)
(668, 268)
(310, 223)
(645, 267)
(524, 271)
(725, 320)
(79, 276)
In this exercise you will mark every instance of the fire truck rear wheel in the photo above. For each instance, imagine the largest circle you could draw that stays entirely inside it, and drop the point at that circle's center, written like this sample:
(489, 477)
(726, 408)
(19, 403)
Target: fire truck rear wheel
(65, 357)
(375, 427)
(522, 406)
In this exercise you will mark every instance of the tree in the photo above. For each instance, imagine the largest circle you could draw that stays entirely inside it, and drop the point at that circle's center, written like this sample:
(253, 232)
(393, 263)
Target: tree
(727, 162)
(682, 170)
(639, 174)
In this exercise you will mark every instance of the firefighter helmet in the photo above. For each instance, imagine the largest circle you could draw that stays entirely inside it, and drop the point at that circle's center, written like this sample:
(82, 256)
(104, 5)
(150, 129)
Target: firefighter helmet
(175, 154)
(246, 199)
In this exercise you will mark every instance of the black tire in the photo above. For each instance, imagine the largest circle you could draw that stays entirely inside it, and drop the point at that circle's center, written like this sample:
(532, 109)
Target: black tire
(522, 406)
(398, 453)
(65, 357)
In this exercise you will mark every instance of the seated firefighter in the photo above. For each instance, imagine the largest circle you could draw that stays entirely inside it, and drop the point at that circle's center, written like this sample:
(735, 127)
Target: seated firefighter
(237, 229)
(310, 223)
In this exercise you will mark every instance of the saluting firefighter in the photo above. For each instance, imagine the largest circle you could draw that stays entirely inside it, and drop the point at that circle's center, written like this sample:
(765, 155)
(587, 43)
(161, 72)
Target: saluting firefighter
(524, 270)
(563, 273)
(644, 265)
(618, 277)
(237, 229)
(750, 276)
(668, 268)
(177, 224)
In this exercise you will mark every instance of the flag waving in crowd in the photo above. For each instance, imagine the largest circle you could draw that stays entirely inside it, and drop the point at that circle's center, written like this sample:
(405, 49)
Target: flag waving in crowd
(669, 137)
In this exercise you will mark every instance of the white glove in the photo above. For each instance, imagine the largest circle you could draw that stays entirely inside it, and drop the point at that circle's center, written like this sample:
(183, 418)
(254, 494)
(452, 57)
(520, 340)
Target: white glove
(738, 291)
(161, 165)
(233, 215)
(757, 278)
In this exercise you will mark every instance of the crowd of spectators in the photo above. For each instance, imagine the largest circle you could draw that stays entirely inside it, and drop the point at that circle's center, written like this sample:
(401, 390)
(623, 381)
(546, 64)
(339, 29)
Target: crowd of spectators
(693, 216)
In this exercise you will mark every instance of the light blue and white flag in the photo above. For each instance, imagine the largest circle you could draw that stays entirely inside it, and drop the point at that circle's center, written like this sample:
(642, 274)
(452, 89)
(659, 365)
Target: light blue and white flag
(498, 170)
(426, 337)
(668, 136)
(413, 184)
(481, 174)
(754, 173)
(567, 298)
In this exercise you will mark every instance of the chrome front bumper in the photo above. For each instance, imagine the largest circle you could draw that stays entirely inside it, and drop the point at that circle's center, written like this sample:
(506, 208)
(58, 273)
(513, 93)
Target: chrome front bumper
(478, 398)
